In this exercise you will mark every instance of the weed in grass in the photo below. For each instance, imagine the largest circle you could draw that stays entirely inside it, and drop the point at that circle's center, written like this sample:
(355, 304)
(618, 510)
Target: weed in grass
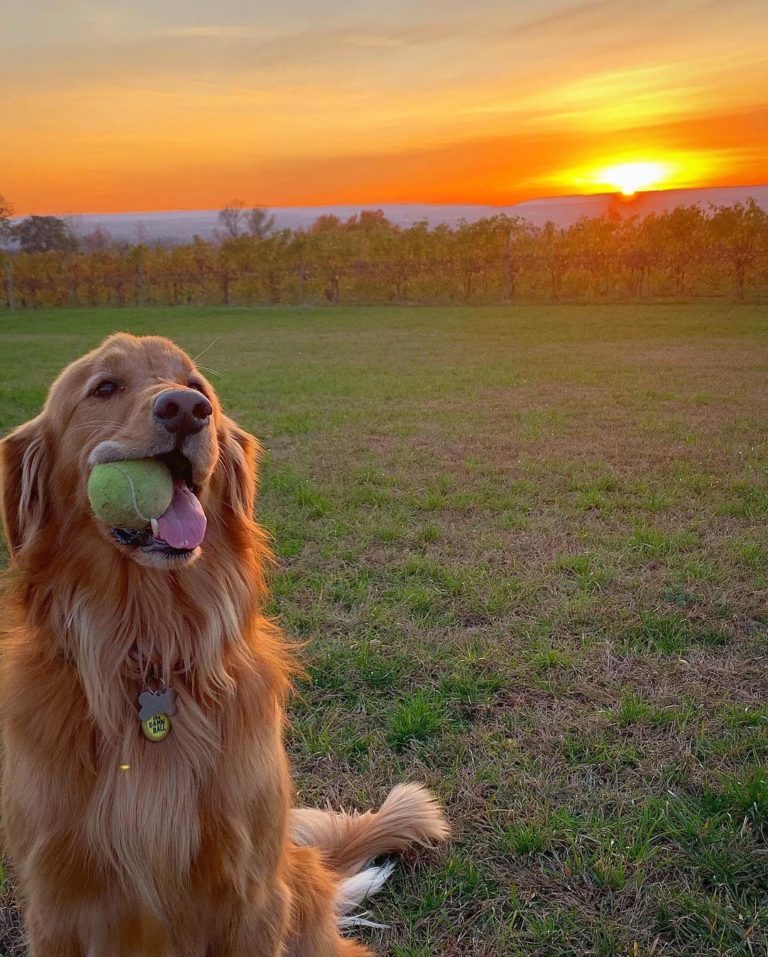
(711, 635)
(425, 605)
(702, 924)
(596, 494)
(749, 501)
(463, 873)
(605, 941)
(549, 659)
(607, 869)
(666, 633)
(598, 483)
(329, 671)
(468, 687)
(416, 718)
(538, 424)
(648, 542)
(379, 672)
(744, 716)
(645, 496)
(349, 590)
(428, 533)
(697, 568)
(745, 795)
(681, 596)
(593, 501)
(702, 398)
(631, 710)
(513, 521)
(753, 554)
(313, 741)
(303, 621)
(671, 632)
(288, 537)
(600, 750)
(370, 495)
(526, 838)
(543, 927)
(430, 500)
(288, 483)
(448, 580)
(585, 571)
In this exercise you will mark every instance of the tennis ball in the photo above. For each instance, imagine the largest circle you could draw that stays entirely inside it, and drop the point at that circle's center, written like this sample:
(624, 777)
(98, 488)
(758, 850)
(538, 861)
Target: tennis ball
(130, 494)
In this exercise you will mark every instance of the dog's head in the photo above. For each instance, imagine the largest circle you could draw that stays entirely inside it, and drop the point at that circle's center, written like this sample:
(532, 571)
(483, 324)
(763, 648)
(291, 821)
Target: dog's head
(132, 398)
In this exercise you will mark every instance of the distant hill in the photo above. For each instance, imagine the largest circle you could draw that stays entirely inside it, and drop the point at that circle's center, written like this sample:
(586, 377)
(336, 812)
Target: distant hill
(181, 226)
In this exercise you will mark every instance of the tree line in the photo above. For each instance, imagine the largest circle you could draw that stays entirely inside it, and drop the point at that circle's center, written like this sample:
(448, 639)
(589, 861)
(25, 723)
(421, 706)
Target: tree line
(686, 252)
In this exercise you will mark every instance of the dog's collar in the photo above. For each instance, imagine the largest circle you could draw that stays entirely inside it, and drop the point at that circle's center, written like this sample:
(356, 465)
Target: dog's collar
(152, 667)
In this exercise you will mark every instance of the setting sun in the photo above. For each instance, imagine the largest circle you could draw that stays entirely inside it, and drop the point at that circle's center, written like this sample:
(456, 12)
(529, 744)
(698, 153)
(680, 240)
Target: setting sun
(629, 174)
(628, 178)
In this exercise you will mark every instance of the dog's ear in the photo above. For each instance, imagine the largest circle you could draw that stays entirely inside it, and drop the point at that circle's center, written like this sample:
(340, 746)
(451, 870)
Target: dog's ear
(25, 465)
(240, 453)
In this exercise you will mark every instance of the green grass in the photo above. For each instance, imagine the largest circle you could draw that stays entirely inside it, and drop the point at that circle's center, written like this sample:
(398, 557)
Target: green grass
(528, 548)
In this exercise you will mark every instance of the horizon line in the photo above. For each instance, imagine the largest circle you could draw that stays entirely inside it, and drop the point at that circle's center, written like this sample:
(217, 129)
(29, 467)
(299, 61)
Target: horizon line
(377, 205)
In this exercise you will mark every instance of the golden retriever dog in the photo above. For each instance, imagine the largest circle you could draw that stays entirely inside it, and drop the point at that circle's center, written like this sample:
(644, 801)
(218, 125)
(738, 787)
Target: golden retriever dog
(187, 846)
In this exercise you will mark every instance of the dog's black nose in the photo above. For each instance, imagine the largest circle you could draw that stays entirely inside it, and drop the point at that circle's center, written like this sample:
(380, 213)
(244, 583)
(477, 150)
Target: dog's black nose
(182, 411)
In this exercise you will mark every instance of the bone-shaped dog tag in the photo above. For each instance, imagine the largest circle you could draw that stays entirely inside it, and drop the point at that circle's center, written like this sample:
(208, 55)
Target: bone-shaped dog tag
(157, 708)
(157, 702)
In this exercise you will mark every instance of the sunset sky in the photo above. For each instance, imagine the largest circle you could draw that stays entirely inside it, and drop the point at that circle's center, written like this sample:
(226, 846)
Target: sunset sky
(112, 106)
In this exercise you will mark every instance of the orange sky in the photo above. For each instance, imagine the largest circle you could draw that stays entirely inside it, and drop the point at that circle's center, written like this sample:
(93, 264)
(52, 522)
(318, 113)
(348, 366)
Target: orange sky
(185, 104)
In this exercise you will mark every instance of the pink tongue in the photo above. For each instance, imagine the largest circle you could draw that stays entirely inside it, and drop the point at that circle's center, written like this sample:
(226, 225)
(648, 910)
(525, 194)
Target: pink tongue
(183, 523)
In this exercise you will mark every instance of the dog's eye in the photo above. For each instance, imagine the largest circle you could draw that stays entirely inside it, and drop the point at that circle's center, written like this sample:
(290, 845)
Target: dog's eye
(194, 384)
(105, 389)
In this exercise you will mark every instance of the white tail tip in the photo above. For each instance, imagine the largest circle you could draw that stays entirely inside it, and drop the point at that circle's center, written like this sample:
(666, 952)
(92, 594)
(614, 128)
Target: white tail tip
(353, 891)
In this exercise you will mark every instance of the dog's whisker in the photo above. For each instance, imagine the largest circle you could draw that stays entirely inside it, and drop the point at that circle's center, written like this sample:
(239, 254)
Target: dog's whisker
(211, 371)
(209, 346)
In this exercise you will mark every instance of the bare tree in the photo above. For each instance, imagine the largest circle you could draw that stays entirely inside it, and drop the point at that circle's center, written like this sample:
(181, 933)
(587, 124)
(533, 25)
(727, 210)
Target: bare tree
(233, 217)
(259, 223)
(142, 232)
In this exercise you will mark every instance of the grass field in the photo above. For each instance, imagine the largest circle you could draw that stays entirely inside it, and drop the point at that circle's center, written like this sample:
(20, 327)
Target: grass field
(529, 545)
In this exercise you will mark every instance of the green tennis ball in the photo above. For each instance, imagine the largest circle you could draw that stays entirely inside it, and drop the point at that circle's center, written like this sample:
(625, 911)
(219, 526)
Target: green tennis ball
(130, 494)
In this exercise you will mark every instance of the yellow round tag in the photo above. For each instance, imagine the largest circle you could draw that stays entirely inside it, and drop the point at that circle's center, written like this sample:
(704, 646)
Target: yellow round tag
(157, 727)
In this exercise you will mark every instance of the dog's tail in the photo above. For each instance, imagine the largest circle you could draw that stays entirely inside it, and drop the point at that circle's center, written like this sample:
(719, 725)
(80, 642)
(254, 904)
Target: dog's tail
(410, 815)
(348, 842)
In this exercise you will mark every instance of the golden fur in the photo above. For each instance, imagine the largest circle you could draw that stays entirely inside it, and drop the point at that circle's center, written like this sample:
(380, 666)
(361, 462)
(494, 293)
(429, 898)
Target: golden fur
(188, 847)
